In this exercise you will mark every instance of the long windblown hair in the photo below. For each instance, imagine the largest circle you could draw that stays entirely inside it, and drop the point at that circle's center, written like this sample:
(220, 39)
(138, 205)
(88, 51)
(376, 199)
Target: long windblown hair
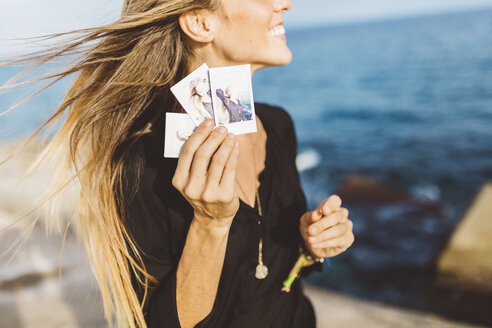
(119, 69)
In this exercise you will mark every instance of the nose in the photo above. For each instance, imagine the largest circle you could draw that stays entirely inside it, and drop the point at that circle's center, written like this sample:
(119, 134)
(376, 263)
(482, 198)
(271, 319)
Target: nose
(282, 5)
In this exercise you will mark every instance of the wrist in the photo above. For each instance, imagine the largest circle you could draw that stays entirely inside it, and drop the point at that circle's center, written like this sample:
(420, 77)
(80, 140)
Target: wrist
(310, 257)
(213, 227)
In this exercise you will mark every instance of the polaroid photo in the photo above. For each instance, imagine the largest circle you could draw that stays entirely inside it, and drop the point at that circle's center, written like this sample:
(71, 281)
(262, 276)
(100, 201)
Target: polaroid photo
(232, 96)
(193, 93)
(179, 127)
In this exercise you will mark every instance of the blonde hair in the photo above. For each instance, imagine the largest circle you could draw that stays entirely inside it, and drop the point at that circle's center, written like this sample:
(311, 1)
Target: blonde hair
(120, 68)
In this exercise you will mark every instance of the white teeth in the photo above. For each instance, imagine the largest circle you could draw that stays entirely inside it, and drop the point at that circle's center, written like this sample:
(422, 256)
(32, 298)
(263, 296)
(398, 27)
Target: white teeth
(277, 30)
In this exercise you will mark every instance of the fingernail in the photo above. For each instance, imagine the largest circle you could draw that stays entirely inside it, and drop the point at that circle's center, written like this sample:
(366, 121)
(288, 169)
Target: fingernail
(312, 240)
(231, 136)
(221, 129)
(236, 144)
(207, 123)
(314, 230)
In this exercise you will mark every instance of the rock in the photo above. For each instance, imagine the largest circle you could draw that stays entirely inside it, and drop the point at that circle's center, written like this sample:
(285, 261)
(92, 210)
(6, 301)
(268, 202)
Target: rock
(32, 291)
(357, 189)
(466, 262)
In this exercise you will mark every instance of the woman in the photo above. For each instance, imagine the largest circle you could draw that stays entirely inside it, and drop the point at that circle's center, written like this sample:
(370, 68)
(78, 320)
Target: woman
(206, 240)
(222, 114)
(244, 114)
(230, 108)
(200, 98)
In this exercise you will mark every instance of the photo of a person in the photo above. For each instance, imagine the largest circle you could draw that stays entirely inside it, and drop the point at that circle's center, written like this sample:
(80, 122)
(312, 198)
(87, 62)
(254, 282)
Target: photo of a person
(178, 129)
(222, 114)
(193, 93)
(200, 97)
(232, 98)
(183, 134)
(232, 106)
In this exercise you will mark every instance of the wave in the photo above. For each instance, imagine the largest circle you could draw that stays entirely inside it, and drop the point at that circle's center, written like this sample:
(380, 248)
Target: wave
(308, 160)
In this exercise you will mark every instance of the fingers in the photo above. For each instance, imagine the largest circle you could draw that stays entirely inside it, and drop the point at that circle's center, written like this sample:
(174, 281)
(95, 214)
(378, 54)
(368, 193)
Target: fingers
(331, 233)
(188, 151)
(219, 161)
(228, 180)
(199, 166)
(204, 153)
(329, 205)
(342, 242)
(328, 221)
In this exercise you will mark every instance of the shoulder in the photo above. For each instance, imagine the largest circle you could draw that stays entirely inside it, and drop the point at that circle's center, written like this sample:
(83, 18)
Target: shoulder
(275, 118)
(279, 126)
(272, 112)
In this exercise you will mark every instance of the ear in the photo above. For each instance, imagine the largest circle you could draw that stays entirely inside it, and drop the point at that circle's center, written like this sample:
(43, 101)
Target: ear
(198, 25)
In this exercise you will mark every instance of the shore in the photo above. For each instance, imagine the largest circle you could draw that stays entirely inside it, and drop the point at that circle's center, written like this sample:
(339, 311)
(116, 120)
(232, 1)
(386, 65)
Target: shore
(338, 310)
(33, 294)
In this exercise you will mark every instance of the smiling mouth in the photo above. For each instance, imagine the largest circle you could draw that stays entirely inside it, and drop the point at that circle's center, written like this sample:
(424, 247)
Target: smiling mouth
(277, 32)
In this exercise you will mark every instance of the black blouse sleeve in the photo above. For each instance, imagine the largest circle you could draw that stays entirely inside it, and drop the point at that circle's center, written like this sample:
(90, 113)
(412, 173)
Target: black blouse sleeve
(147, 221)
(157, 217)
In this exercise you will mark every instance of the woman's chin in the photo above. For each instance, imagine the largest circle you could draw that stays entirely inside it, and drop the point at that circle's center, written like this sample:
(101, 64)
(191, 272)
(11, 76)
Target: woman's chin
(281, 61)
(287, 59)
(274, 60)
(284, 57)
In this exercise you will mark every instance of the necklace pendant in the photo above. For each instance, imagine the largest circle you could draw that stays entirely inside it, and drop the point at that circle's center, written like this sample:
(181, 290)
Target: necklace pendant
(261, 271)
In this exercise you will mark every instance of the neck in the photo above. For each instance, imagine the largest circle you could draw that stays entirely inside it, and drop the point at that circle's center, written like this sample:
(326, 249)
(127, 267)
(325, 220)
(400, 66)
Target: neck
(204, 55)
(247, 174)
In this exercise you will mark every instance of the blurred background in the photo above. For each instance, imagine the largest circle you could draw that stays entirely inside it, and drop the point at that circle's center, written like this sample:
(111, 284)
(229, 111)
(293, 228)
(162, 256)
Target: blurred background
(392, 103)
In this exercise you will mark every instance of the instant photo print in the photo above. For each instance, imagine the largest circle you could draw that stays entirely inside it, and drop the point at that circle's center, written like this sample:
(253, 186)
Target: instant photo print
(193, 93)
(232, 96)
(179, 128)
(224, 94)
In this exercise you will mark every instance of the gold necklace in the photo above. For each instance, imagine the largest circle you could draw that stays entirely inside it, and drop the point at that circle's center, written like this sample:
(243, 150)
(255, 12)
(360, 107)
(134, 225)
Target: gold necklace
(261, 268)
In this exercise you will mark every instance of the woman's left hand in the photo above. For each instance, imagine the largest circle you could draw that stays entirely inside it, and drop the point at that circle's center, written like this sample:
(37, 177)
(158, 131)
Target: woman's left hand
(327, 231)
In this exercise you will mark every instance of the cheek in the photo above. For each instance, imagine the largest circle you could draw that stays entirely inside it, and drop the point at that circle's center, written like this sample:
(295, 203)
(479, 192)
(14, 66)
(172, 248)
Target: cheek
(250, 19)
(251, 32)
(244, 29)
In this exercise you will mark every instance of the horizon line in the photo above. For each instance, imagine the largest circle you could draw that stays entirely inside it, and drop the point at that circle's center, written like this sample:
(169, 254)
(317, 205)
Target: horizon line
(386, 18)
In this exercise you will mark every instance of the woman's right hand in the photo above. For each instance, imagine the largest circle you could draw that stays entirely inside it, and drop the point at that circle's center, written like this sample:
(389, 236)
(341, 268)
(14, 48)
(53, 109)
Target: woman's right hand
(206, 174)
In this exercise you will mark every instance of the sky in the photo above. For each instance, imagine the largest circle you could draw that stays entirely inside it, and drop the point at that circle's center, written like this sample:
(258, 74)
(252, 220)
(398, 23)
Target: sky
(27, 18)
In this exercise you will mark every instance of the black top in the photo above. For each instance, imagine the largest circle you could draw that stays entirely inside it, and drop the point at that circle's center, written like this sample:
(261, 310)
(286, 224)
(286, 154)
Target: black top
(158, 217)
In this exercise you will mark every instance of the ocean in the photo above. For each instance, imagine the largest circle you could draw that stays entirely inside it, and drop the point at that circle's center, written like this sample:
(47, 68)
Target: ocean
(407, 103)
